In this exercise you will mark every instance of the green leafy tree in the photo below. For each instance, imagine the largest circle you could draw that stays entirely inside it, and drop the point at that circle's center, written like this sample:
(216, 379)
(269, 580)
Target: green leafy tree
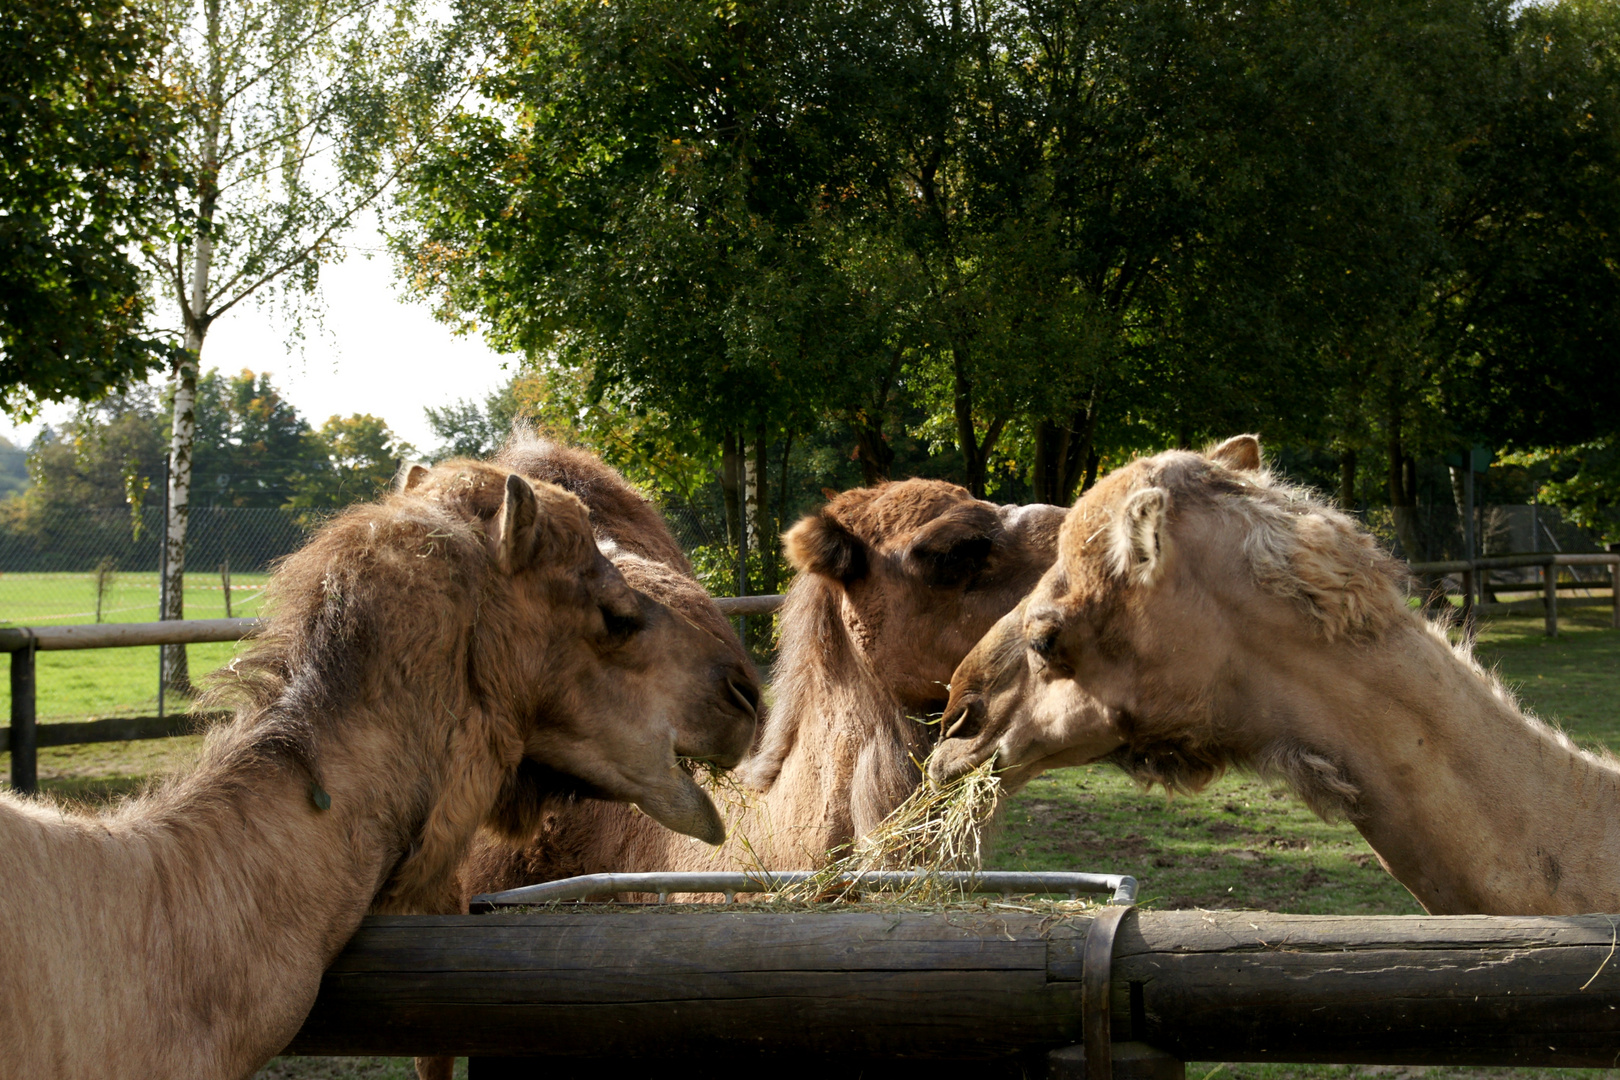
(354, 459)
(87, 180)
(250, 442)
(297, 116)
(466, 429)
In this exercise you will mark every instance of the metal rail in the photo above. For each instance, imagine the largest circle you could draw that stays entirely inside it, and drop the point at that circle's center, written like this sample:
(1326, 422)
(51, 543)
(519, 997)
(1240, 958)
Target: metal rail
(730, 883)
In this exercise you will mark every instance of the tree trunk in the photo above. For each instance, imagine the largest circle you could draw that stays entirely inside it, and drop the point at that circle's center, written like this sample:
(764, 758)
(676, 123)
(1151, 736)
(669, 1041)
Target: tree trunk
(1403, 494)
(1093, 461)
(1063, 454)
(1347, 481)
(759, 505)
(197, 320)
(731, 488)
(962, 404)
(873, 451)
(1051, 451)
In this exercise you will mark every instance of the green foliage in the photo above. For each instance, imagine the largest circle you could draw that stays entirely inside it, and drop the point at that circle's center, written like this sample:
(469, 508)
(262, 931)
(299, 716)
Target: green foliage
(466, 430)
(1584, 482)
(250, 442)
(352, 459)
(1039, 238)
(13, 468)
(87, 182)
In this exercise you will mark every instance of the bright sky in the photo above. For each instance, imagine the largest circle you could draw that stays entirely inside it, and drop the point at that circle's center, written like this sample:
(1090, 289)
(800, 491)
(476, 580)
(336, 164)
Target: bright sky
(378, 353)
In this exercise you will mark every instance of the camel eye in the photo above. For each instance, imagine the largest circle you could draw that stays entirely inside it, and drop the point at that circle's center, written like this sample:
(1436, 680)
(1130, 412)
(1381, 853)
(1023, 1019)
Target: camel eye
(1044, 642)
(620, 626)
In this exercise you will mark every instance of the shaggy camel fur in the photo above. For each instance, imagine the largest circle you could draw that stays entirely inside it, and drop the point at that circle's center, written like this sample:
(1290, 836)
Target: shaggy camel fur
(896, 583)
(1216, 616)
(420, 651)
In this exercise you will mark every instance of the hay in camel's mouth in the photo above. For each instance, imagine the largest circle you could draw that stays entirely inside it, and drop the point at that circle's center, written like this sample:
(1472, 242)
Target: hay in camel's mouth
(939, 827)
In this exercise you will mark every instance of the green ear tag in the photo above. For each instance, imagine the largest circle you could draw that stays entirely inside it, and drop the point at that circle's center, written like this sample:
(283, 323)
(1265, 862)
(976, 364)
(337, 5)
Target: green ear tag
(321, 799)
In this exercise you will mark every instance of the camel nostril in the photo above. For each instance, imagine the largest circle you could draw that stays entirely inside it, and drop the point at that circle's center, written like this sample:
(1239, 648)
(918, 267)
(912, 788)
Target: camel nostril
(965, 721)
(746, 695)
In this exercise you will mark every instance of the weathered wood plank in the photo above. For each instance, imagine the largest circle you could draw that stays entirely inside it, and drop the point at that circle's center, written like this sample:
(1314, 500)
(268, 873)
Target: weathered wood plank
(1393, 990)
(653, 984)
(113, 729)
(1212, 986)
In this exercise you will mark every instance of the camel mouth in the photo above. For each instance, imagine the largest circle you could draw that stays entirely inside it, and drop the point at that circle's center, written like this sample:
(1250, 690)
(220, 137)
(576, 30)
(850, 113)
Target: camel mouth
(955, 758)
(680, 804)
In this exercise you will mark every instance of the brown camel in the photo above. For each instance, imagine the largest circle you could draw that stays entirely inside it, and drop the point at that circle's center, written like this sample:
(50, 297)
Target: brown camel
(1217, 616)
(896, 583)
(428, 660)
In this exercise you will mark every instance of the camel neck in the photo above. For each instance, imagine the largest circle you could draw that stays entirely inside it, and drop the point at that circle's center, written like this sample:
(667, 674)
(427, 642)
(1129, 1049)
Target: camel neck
(850, 745)
(204, 912)
(1470, 804)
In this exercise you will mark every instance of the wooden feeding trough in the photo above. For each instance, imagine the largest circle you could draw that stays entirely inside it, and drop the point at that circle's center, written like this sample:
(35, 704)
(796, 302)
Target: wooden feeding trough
(988, 991)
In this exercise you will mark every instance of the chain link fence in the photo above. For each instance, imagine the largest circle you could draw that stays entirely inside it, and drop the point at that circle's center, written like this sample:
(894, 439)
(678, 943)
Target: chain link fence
(88, 565)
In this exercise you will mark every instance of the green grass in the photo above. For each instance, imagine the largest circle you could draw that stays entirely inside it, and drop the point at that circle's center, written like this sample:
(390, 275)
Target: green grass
(59, 599)
(85, 684)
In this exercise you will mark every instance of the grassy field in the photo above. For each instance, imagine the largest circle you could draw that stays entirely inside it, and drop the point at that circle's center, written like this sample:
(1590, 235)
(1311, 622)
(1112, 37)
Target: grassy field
(112, 682)
(57, 599)
(1241, 844)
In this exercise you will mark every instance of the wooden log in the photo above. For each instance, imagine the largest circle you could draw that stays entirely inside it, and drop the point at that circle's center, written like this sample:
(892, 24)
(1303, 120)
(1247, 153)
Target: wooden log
(1549, 600)
(1408, 990)
(23, 747)
(748, 605)
(114, 729)
(726, 986)
(117, 635)
(701, 986)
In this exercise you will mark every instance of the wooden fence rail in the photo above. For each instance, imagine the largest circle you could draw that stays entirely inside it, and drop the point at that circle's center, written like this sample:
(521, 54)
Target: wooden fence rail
(25, 736)
(661, 993)
(1550, 564)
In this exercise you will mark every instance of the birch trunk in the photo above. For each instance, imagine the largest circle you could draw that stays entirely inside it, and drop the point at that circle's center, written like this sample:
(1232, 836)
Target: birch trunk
(197, 318)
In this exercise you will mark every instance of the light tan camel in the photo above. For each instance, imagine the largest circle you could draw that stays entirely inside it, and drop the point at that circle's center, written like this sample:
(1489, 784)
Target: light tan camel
(418, 651)
(1217, 616)
(896, 583)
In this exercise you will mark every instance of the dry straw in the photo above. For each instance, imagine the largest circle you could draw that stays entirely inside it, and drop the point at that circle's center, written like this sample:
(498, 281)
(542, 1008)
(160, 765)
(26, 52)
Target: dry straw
(938, 828)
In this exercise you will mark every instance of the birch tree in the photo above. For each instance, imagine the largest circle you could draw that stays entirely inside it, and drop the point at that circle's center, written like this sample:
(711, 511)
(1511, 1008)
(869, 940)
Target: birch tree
(298, 115)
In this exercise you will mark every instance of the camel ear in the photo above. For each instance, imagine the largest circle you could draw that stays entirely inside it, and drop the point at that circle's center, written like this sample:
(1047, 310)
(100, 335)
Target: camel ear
(410, 475)
(515, 548)
(820, 545)
(1139, 535)
(1240, 453)
(950, 549)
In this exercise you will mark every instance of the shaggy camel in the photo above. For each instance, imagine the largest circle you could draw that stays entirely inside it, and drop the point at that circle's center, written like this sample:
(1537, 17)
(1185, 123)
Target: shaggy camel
(1217, 616)
(433, 662)
(896, 583)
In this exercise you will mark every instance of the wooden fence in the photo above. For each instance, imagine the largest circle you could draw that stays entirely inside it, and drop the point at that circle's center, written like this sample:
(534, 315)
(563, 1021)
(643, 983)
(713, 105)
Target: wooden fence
(1550, 564)
(25, 735)
(899, 994)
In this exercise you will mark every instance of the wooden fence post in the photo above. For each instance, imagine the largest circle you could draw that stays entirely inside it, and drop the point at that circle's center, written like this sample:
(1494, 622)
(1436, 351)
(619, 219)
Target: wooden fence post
(1614, 588)
(24, 752)
(1468, 600)
(1549, 579)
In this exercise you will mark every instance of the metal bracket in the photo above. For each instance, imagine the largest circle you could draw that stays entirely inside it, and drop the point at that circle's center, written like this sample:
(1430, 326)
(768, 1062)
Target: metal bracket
(1096, 978)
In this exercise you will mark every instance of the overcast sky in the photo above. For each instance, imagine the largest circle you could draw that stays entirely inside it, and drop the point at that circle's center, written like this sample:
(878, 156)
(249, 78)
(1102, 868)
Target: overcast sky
(378, 353)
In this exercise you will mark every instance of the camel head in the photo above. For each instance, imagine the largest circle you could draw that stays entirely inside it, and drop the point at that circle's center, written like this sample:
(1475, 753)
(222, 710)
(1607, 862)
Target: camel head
(608, 686)
(922, 569)
(1179, 579)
